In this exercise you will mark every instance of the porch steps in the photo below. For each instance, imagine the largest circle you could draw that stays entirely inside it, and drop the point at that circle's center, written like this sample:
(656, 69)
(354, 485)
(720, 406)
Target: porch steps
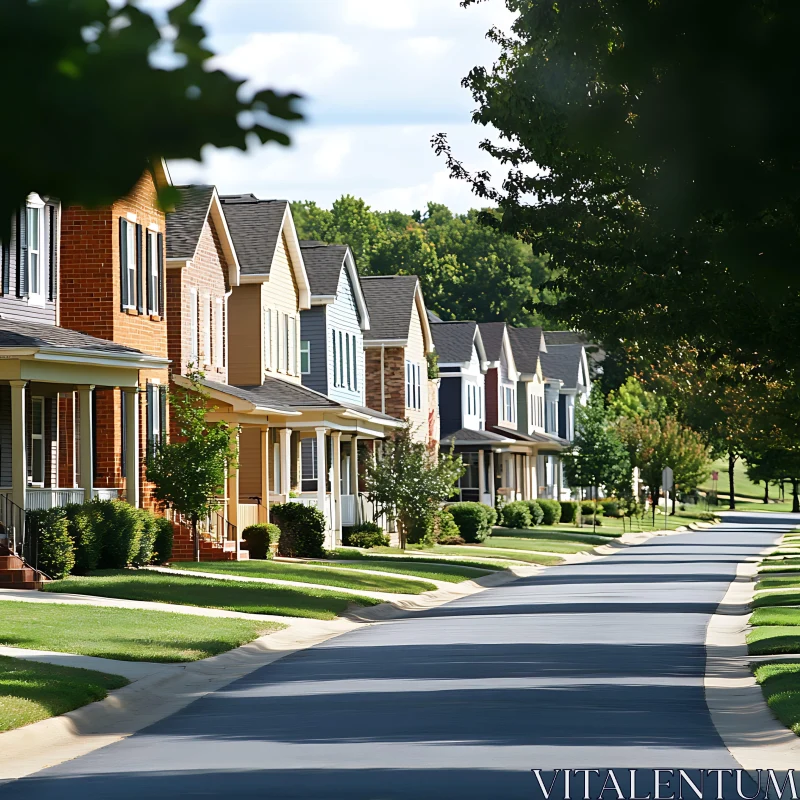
(14, 574)
(183, 548)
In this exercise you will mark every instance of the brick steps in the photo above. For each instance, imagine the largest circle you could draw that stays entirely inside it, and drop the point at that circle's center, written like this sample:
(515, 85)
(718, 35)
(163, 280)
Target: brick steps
(183, 548)
(15, 574)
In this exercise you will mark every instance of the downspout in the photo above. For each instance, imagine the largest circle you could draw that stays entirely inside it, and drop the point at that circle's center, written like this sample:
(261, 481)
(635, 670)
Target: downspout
(383, 386)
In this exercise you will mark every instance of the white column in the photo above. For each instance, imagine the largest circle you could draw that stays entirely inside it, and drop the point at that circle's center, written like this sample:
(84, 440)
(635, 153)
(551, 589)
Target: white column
(86, 448)
(286, 462)
(19, 453)
(74, 442)
(481, 476)
(354, 477)
(265, 471)
(491, 476)
(322, 471)
(233, 487)
(336, 509)
(131, 446)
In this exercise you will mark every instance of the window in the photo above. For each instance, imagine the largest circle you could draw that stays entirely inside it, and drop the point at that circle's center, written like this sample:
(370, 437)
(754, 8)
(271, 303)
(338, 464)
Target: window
(470, 479)
(291, 337)
(413, 385)
(267, 339)
(35, 225)
(193, 333)
(355, 365)
(308, 460)
(206, 308)
(335, 361)
(128, 259)
(37, 441)
(341, 359)
(156, 396)
(509, 401)
(219, 338)
(419, 385)
(349, 369)
(305, 357)
(469, 399)
(153, 287)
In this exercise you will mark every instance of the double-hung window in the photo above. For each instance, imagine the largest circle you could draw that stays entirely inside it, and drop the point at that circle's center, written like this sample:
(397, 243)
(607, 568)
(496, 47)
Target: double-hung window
(152, 273)
(353, 339)
(35, 235)
(308, 464)
(206, 332)
(267, 339)
(509, 401)
(413, 385)
(127, 245)
(193, 328)
(349, 369)
(219, 333)
(335, 359)
(305, 357)
(341, 359)
(37, 441)
(291, 338)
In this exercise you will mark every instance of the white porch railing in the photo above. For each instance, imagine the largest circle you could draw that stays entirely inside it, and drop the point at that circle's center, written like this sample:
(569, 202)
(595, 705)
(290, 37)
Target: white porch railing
(248, 515)
(105, 494)
(313, 500)
(43, 499)
(348, 510)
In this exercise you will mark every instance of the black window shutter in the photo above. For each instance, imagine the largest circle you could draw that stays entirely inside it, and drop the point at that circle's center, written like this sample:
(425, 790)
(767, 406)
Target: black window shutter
(123, 262)
(124, 448)
(162, 413)
(22, 252)
(139, 287)
(52, 252)
(150, 410)
(148, 263)
(161, 274)
(5, 262)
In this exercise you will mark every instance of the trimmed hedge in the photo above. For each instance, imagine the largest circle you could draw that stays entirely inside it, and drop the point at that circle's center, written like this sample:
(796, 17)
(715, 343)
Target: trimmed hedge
(587, 509)
(259, 538)
(537, 514)
(444, 527)
(120, 528)
(54, 546)
(165, 534)
(147, 538)
(569, 512)
(85, 538)
(516, 515)
(473, 520)
(552, 511)
(302, 530)
(366, 534)
(611, 508)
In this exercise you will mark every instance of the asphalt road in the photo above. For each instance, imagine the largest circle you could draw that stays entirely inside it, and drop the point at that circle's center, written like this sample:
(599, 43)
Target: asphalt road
(597, 665)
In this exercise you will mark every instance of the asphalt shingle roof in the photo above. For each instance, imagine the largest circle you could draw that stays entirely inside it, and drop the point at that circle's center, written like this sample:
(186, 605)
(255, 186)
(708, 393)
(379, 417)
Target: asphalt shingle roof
(466, 435)
(454, 341)
(563, 362)
(36, 334)
(255, 227)
(564, 337)
(390, 302)
(185, 223)
(526, 344)
(324, 266)
(492, 335)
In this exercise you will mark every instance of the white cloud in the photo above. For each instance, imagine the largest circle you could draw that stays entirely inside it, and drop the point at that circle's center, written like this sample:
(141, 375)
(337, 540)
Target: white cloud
(429, 47)
(381, 14)
(308, 62)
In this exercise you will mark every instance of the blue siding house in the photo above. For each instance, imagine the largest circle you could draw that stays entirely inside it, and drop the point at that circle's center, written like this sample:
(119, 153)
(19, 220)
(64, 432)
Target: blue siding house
(331, 331)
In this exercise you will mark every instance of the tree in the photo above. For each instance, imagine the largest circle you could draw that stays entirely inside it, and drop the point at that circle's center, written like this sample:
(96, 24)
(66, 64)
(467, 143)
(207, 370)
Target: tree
(597, 456)
(110, 89)
(189, 472)
(632, 400)
(625, 128)
(409, 481)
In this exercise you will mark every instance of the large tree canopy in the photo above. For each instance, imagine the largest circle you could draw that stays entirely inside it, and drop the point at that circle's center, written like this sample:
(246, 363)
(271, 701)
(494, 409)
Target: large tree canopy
(651, 151)
(467, 270)
(93, 91)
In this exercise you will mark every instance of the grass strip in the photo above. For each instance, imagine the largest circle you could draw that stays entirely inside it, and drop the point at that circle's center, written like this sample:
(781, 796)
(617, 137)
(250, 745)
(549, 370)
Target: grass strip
(776, 614)
(420, 557)
(297, 572)
(543, 545)
(531, 558)
(441, 570)
(209, 593)
(787, 582)
(773, 640)
(31, 691)
(550, 534)
(122, 633)
(770, 599)
(780, 684)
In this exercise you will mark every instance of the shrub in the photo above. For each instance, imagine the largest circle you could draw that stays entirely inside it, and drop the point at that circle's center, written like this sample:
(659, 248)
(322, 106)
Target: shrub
(82, 529)
(451, 540)
(610, 508)
(537, 515)
(302, 530)
(587, 509)
(119, 527)
(552, 511)
(147, 538)
(55, 551)
(259, 538)
(366, 534)
(444, 526)
(162, 549)
(569, 512)
(473, 520)
(516, 515)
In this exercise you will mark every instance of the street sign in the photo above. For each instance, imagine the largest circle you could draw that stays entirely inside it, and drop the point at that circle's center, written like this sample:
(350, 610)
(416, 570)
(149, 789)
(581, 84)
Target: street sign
(667, 477)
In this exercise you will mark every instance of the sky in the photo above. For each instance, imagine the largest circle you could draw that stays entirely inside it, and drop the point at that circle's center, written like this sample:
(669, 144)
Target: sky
(379, 77)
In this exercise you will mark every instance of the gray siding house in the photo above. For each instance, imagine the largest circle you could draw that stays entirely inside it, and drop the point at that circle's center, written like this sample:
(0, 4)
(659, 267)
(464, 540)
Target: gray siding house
(331, 331)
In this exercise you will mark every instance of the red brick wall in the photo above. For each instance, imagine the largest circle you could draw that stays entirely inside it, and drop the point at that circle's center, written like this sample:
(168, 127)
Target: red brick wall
(394, 380)
(490, 390)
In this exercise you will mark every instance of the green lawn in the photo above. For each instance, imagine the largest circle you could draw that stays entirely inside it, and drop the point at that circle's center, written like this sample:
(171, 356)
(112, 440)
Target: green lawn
(210, 593)
(541, 542)
(789, 582)
(532, 558)
(30, 691)
(420, 557)
(776, 615)
(773, 640)
(770, 599)
(438, 571)
(742, 485)
(123, 634)
(780, 684)
(754, 505)
(297, 572)
(553, 534)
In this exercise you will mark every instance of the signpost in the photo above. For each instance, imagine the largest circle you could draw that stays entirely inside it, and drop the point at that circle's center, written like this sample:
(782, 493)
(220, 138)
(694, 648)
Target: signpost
(667, 483)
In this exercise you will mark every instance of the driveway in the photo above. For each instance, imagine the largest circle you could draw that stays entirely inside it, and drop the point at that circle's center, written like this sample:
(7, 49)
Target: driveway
(588, 665)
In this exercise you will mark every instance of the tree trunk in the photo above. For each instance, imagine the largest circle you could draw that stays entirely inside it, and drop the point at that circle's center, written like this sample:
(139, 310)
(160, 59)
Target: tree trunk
(795, 498)
(654, 502)
(196, 540)
(731, 496)
(766, 491)
(594, 518)
(674, 497)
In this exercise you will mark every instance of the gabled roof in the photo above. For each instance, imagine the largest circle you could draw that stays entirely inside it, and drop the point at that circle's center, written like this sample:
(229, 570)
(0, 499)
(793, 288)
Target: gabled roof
(492, 334)
(455, 341)
(563, 362)
(324, 264)
(594, 352)
(185, 227)
(468, 436)
(528, 346)
(256, 227)
(391, 300)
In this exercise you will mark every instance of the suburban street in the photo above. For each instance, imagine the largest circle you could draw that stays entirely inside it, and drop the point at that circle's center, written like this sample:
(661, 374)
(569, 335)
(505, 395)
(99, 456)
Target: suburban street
(585, 665)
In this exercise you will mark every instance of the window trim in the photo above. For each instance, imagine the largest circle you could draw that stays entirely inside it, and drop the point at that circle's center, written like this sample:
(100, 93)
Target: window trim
(305, 352)
(355, 362)
(218, 343)
(38, 439)
(130, 263)
(194, 347)
(267, 322)
(153, 273)
(35, 203)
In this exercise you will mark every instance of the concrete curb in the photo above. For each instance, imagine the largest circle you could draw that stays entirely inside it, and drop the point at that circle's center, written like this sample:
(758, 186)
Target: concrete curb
(745, 723)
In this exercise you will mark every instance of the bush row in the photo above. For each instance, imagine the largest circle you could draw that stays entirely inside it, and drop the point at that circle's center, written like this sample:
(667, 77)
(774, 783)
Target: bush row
(100, 534)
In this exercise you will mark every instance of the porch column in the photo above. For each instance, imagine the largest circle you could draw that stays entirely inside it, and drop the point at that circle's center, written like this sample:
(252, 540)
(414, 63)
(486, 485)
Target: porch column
(336, 494)
(86, 447)
(559, 477)
(265, 471)
(19, 453)
(492, 478)
(322, 472)
(481, 476)
(233, 488)
(354, 477)
(286, 462)
(131, 445)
